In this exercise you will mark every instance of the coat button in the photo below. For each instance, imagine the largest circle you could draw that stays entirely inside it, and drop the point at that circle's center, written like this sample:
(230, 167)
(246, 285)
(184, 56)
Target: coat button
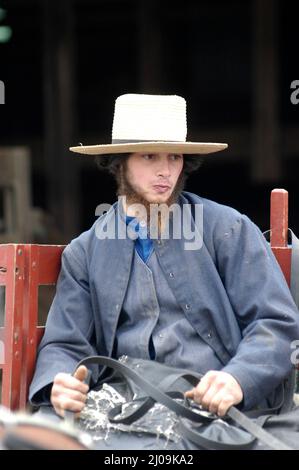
(171, 275)
(209, 335)
(187, 306)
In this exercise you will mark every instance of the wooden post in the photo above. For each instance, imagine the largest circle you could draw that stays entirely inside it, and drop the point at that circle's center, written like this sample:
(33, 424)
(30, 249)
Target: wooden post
(12, 276)
(279, 222)
(279, 230)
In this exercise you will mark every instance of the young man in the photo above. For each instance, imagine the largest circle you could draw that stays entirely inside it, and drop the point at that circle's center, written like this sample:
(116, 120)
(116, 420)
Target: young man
(218, 305)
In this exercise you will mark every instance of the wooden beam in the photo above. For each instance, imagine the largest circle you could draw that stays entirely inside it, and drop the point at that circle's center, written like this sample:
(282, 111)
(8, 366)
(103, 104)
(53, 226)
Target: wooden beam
(279, 222)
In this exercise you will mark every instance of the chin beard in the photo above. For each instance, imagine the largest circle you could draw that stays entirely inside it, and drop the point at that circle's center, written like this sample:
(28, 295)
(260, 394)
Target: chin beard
(124, 188)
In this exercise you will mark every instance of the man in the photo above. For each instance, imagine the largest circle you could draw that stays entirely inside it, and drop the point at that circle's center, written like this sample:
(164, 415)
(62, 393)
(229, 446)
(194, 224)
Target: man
(220, 307)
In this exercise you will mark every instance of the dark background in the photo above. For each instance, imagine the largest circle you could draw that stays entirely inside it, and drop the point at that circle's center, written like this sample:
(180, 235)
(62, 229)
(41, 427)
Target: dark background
(233, 61)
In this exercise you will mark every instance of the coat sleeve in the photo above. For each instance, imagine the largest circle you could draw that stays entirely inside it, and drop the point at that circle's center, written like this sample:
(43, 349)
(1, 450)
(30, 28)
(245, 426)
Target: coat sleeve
(69, 334)
(267, 315)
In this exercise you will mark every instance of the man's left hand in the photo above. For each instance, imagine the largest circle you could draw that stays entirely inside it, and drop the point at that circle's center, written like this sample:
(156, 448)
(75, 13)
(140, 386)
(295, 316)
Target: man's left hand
(217, 392)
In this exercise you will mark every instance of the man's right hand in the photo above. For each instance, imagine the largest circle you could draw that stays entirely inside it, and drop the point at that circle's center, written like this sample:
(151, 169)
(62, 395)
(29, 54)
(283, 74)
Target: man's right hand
(69, 392)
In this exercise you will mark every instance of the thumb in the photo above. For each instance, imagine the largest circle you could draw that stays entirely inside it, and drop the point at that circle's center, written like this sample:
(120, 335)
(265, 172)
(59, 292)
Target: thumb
(81, 373)
(189, 393)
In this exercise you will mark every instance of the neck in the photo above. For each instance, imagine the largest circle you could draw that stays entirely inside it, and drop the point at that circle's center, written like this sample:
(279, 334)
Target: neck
(156, 218)
(130, 208)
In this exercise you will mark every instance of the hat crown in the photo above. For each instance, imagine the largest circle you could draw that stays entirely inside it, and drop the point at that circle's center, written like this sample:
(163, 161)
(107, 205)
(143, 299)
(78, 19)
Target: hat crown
(140, 117)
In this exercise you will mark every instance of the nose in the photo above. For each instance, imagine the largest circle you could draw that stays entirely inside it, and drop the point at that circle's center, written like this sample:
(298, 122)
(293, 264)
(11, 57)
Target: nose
(163, 167)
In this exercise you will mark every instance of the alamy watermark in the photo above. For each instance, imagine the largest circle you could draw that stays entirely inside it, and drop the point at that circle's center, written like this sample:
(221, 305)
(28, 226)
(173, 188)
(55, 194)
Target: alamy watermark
(2, 93)
(295, 354)
(295, 94)
(178, 222)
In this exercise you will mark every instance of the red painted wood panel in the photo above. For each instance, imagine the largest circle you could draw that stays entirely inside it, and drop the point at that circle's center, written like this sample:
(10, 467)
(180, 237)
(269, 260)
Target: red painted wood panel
(279, 230)
(43, 267)
(283, 256)
(48, 258)
(23, 268)
(279, 218)
(14, 257)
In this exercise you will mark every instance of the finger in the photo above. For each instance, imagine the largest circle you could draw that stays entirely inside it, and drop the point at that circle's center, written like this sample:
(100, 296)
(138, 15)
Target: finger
(215, 403)
(65, 402)
(209, 396)
(81, 373)
(190, 393)
(57, 409)
(228, 397)
(70, 405)
(68, 381)
(203, 386)
(225, 405)
(75, 395)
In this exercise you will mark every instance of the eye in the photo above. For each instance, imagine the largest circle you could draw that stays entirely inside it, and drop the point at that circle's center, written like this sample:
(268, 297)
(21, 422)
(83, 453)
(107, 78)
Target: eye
(175, 157)
(147, 156)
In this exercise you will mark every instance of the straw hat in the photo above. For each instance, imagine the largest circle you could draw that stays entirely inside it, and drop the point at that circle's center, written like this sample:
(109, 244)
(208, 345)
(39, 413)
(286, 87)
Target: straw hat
(150, 123)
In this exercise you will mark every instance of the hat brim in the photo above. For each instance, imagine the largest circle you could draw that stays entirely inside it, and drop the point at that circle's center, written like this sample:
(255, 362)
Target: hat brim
(199, 148)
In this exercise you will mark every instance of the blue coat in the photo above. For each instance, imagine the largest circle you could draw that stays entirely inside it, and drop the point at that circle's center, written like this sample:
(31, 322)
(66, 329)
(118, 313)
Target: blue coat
(231, 290)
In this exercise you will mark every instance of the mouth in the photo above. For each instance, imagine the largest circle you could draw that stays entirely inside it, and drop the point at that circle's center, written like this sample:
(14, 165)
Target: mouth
(161, 188)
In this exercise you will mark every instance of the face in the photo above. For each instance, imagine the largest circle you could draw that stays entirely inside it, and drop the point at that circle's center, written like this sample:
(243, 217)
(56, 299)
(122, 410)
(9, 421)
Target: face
(154, 176)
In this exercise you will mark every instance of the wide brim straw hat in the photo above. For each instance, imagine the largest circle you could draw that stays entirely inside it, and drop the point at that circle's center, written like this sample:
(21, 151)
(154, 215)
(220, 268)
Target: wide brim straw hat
(150, 123)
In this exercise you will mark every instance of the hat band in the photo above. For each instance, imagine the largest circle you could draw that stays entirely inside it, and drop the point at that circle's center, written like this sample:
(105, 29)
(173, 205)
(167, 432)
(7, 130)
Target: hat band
(136, 141)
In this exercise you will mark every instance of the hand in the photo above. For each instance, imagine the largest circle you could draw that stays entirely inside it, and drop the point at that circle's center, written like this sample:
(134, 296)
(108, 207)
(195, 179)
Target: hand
(217, 391)
(69, 392)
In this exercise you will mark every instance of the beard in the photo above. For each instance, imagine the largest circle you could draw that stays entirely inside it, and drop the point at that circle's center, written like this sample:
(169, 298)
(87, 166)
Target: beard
(155, 219)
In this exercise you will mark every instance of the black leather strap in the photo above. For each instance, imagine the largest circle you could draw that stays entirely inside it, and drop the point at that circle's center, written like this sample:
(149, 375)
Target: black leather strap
(147, 387)
(260, 433)
(146, 404)
(239, 439)
(184, 412)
